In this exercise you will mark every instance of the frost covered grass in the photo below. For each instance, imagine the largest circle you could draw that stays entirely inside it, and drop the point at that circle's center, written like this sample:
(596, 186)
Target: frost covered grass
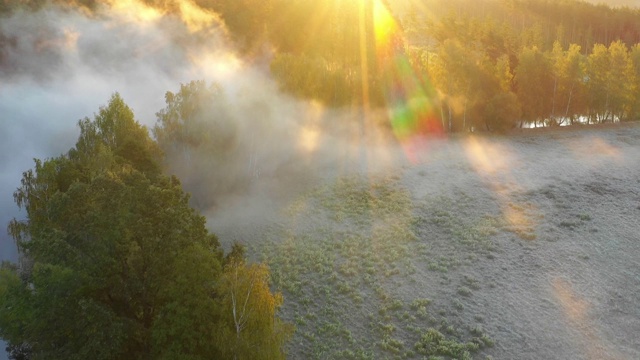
(362, 236)
(453, 257)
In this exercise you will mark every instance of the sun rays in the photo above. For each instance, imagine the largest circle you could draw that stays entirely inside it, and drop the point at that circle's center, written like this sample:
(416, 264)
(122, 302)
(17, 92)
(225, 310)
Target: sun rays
(193, 16)
(408, 99)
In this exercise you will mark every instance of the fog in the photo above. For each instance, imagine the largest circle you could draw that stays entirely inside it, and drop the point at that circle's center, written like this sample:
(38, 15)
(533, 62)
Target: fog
(60, 65)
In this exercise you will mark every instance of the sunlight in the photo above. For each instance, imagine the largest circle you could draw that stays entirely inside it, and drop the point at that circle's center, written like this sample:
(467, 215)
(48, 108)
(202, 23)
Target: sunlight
(576, 310)
(218, 66)
(409, 104)
(135, 11)
(573, 306)
(492, 162)
(192, 15)
(593, 149)
(385, 25)
(70, 38)
(309, 137)
(195, 17)
(486, 158)
(68, 41)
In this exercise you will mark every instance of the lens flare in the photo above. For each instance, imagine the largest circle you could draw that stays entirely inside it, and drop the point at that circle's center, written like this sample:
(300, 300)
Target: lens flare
(409, 100)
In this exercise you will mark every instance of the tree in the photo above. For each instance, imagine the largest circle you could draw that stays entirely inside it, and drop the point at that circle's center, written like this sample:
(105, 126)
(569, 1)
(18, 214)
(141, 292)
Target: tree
(248, 309)
(598, 83)
(502, 111)
(197, 126)
(571, 89)
(118, 264)
(535, 82)
(635, 58)
(453, 74)
(502, 108)
(621, 81)
(611, 81)
(247, 20)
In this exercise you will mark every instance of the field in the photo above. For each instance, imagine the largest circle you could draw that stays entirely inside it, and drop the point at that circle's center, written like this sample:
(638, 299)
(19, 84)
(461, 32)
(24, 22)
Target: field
(523, 246)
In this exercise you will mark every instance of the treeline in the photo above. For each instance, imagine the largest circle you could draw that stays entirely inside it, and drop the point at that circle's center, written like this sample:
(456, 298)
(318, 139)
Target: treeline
(491, 64)
(487, 64)
(519, 23)
(561, 86)
(116, 264)
(533, 49)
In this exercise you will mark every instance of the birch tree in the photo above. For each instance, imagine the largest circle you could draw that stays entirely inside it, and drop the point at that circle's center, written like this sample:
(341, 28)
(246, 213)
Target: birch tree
(635, 58)
(248, 308)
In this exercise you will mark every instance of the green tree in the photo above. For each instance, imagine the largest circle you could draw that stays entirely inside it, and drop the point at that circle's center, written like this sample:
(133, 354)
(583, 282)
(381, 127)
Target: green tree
(571, 88)
(197, 127)
(621, 81)
(248, 21)
(534, 83)
(248, 311)
(611, 80)
(635, 108)
(454, 71)
(501, 109)
(117, 264)
(598, 83)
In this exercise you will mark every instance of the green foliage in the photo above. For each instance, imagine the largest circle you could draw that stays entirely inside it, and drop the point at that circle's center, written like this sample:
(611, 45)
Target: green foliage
(114, 138)
(464, 291)
(317, 44)
(316, 78)
(248, 308)
(117, 264)
(485, 65)
(502, 111)
(535, 82)
(420, 303)
(634, 114)
(434, 343)
(197, 125)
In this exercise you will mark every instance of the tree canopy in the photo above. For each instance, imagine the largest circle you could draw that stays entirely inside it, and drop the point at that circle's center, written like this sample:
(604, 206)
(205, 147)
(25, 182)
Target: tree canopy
(117, 265)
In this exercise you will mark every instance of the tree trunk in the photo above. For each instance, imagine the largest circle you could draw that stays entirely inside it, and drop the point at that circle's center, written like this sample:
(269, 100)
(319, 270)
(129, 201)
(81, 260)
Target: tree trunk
(566, 112)
(553, 99)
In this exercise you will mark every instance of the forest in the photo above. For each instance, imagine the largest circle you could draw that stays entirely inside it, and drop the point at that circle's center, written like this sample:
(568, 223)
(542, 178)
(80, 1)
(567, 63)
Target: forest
(117, 260)
(116, 264)
(481, 65)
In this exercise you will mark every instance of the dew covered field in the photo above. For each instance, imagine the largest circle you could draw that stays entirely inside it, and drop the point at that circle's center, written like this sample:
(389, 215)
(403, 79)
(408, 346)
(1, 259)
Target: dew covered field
(522, 246)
